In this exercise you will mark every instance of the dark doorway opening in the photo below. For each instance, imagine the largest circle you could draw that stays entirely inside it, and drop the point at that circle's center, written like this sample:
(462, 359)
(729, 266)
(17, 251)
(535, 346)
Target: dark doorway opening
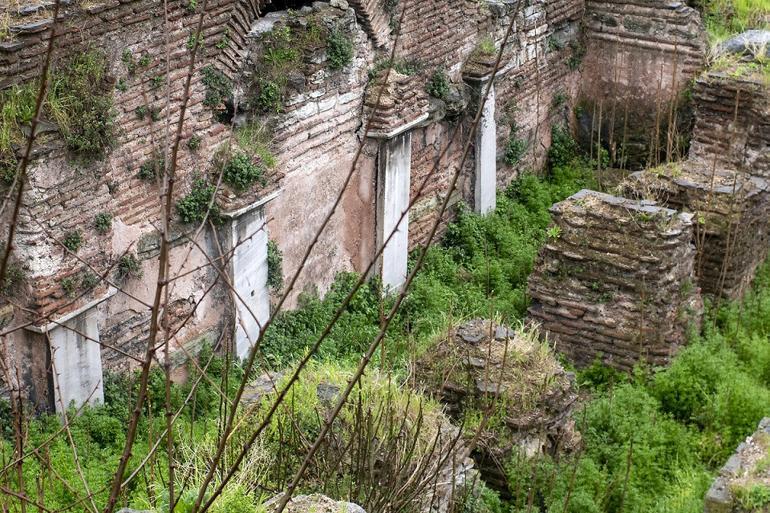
(284, 5)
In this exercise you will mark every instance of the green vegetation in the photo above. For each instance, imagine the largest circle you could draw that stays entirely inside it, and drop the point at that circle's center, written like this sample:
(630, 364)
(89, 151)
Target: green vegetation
(339, 48)
(198, 203)
(103, 222)
(14, 277)
(257, 138)
(515, 148)
(439, 85)
(152, 167)
(274, 266)
(218, 88)
(285, 50)
(128, 267)
(194, 143)
(77, 101)
(241, 172)
(726, 18)
(403, 66)
(652, 441)
(73, 240)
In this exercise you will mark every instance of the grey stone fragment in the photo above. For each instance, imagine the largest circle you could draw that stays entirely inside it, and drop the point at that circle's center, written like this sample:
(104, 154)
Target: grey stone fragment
(340, 4)
(326, 392)
(748, 43)
(718, 498)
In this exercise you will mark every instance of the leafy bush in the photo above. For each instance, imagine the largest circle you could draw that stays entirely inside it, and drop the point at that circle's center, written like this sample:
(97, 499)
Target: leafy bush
(438, 85)
(564, 149)
(198, 203)
(241, 172)
(339, 48)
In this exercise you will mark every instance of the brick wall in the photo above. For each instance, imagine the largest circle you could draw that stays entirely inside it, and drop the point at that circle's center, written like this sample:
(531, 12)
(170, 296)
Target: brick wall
(640, 58)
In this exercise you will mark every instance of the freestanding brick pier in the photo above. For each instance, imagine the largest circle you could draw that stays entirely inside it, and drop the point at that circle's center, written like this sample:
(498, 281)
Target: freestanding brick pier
(614, 280)
(731, 209)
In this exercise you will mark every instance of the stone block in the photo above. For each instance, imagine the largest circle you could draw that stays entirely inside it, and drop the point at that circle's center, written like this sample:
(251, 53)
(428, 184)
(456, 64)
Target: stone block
(731, 211)
(614, 280)
(745, 478)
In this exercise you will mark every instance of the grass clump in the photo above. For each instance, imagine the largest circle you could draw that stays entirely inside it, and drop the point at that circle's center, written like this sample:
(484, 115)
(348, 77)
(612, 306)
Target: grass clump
(78, 101)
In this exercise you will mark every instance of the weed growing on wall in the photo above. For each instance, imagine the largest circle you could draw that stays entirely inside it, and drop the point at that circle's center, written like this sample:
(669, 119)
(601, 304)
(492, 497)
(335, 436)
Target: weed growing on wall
(339, 48)
(274, 266)
(198, 203)
(103, 222)
(218, 88)
(128, 267)
(515, 148)
(73, 240)
(438, 84)
(241, 172)
(78, 101)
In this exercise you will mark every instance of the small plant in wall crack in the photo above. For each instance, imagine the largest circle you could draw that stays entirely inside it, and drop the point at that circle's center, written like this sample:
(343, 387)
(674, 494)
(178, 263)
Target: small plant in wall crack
(73, 240)
(515, 148)
(274, 266)
(339, 48)
(152, 167)
(439, 85)
(68, 286)
(128, 267)
(88, 280)
(194, 143)
(103, 222)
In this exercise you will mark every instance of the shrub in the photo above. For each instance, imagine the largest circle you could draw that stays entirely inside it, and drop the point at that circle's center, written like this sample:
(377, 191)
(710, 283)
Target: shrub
(274, 266)
(339, 48)
(73, 240)
(241, 172)
(439, 85)
(103, 222)
(195, 206)
(563, 148)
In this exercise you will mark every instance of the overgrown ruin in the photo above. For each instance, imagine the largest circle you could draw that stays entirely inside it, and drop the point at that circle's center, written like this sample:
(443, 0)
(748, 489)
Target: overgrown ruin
(178, 178)
(615, 280)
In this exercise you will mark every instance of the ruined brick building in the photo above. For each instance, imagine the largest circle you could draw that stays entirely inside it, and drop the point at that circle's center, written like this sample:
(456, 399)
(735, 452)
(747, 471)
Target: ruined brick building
(305, 80)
